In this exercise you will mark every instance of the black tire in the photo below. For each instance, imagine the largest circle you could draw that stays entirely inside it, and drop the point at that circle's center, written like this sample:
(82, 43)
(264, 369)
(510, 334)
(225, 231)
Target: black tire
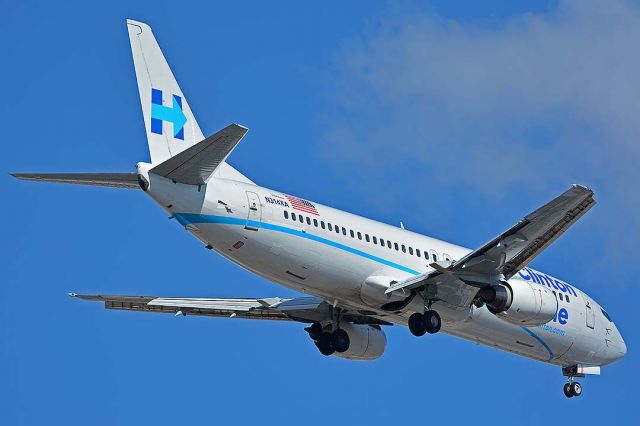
(416, 325)
(432, 322)
(567, 390)
(324, 344)
(340, 340)
(576, 389)
(314, 330)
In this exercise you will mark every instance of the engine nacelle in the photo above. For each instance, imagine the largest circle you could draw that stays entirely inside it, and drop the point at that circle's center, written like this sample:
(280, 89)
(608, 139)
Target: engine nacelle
(520, 303)
(366, 342)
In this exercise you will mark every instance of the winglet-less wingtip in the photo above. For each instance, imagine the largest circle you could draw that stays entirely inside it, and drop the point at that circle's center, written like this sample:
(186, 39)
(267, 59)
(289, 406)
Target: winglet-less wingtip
(577, 185)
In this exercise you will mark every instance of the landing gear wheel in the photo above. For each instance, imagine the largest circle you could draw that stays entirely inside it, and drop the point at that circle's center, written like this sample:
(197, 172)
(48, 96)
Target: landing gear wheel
(567, 390)
(340, 340)
(416, 324)
(432, 322)
(575, 388)
(324, 344)
(314, 330)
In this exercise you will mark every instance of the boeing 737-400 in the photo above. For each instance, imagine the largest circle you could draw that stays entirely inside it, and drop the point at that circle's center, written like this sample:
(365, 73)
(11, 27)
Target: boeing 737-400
(359, 275)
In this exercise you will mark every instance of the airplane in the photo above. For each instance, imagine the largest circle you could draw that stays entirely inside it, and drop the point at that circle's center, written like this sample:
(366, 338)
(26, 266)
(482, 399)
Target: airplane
(358, 275)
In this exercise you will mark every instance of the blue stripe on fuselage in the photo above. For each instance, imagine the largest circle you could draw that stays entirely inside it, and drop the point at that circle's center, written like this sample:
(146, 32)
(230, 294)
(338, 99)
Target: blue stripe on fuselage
(186, 218)
(539, 339)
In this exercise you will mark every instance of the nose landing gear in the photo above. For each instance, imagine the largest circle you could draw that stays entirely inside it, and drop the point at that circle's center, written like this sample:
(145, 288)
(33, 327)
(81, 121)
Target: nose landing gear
(572, 388)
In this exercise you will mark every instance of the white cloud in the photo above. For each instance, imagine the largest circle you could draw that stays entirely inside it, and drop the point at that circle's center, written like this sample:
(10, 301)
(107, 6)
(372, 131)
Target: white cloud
(533, 104)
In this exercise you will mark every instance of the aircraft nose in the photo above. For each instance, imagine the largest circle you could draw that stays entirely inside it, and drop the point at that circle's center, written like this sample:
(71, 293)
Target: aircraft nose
(620, 348)
(623, 347)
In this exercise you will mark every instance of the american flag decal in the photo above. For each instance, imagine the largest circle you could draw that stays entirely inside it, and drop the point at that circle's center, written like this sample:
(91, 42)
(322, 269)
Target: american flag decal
(302, 205)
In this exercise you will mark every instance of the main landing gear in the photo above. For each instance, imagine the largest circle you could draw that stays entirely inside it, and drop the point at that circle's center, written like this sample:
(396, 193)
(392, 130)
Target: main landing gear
(572, 388)
(328, 342)
(429, 322)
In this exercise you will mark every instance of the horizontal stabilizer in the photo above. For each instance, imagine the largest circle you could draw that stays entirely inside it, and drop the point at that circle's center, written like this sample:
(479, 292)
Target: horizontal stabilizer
(114, 180)
(196, 164)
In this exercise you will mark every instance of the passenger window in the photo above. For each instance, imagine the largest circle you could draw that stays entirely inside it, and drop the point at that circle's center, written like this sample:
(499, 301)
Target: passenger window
(375, 240)
(404, 249)
(338, 229)
(366, 237)
(410, 250)
(293, 216)
(344, 231)
(322, 224)
(418, 252)
(286, 214)
(351, 232)
(566, 298)
(301, 218)
(330, 227)
(359, 235)
(434, 256)
(381, 242)
(315, 222)
(388, 243)
(560, 295)
(395, 245)
(447, 258)
(308, 221)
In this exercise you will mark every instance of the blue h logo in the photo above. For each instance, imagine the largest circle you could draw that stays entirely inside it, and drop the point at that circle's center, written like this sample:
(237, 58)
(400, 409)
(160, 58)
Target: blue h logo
(173, 114)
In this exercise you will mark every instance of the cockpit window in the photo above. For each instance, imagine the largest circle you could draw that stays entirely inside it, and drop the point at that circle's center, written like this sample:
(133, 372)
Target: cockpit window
(606, 315)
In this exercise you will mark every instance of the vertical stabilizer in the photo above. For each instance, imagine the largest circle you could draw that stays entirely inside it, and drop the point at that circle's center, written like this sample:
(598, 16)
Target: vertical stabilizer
(170, 124)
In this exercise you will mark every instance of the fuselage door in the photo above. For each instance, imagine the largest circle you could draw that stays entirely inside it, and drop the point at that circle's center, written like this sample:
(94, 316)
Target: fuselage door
(255, 212)
(591, 315)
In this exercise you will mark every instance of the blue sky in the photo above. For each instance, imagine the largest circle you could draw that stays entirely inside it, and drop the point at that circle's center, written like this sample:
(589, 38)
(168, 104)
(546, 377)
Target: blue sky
(456, 117)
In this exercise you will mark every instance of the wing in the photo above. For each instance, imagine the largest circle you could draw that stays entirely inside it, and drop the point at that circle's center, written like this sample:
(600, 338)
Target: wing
(512, 250)
(503, 256)
(303, 309)
(114, 180)
(195, 164)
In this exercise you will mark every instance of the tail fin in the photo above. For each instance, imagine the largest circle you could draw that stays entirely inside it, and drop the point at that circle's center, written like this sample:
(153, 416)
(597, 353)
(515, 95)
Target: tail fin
(170, 124)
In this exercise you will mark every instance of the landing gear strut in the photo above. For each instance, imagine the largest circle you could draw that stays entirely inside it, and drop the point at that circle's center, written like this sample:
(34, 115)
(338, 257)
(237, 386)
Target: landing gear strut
(429, 322)
(572, 388)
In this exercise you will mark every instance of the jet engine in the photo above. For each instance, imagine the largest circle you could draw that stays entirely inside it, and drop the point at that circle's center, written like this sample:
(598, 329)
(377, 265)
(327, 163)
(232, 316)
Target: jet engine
(366, 342)
(520, 303)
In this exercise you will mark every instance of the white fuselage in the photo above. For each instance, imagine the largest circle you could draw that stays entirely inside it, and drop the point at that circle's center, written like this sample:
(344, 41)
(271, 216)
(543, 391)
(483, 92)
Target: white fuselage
(247, 224)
